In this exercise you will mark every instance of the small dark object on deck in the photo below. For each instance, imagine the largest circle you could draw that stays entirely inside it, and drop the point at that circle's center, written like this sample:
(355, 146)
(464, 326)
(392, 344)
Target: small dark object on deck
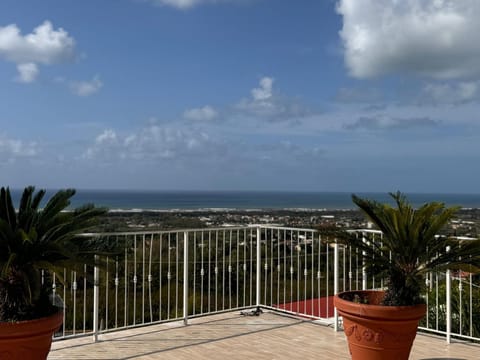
(254, 312)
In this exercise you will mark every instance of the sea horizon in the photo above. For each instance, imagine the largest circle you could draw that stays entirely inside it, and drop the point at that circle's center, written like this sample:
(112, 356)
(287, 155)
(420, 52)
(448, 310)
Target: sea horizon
(227, 200)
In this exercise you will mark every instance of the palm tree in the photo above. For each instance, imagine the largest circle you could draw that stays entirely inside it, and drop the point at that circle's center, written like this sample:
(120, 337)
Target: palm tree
(411, 247)
(33, 239)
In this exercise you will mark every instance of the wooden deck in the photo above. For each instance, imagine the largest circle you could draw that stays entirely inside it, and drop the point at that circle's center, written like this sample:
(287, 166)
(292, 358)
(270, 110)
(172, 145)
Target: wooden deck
(233, 336)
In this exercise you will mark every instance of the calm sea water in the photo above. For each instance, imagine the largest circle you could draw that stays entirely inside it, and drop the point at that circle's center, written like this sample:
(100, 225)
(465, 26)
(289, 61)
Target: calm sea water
(191, 200)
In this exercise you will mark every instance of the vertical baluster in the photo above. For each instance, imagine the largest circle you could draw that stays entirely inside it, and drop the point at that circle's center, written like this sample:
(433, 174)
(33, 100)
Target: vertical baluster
(436, 301)
(284, 267)
(209, 267)
(344, 271)
(143, 279)
(202, 273)
(126, 313)
(279, 268)
(312, 267)
(216, 271)
(96, 289)
(299, 271)
(258, 267)
(116, 285)
(185, 277)
(194, 270)
(169, 277)
(223, 271)
(230, 270)
(327, 276)
(292, 256)
(305, 275)
(244, 266)
(373, 247)
(84, 298)
(135, 279)
(357, 281)
(471, 304)
(460, 305)
(382, 280)
(176, 275)
(271, 266)
(319, 274)
(350, 274)
(160, 279)
(265, 278)
(238, 264)
(106, 295)
(150, 278)
(427, 295)
(251, 264)
(64, 297)
(448, 307)
(74, 289)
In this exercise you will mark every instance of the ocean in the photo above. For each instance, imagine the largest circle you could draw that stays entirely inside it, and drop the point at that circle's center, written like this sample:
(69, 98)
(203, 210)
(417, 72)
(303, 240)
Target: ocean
(127, 200)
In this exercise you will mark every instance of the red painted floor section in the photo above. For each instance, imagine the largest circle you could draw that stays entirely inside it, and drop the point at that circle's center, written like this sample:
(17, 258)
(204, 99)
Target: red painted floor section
(320, 307)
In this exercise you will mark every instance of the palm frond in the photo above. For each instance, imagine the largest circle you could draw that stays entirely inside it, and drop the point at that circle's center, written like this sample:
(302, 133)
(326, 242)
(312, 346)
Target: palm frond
(410, 246)
(7, 210)
(36, 239)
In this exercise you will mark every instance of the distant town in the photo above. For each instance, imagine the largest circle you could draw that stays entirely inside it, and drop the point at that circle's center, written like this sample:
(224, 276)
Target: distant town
(466, 224)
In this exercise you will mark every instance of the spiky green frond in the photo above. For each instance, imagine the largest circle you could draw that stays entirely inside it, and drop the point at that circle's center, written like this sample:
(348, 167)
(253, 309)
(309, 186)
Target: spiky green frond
(410, 245)
(34, 238)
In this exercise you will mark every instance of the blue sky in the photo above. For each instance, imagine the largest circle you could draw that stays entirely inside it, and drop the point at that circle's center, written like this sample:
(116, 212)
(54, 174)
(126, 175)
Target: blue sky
(347, 95)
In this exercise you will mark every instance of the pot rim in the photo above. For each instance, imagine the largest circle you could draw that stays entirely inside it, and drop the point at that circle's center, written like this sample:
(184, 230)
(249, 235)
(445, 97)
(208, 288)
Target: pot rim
(378, 311)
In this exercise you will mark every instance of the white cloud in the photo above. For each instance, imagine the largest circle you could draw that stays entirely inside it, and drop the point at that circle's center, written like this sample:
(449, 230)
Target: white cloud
(433, 38)
(10, 149)
(264, 103)
(27, 72)
(179, 4)
(384, 122)
(86, 88)
(188, 4)
(152, 142)
(451, 93)
(264, 92)
(204, 113)
(44, 45)
(106, 137)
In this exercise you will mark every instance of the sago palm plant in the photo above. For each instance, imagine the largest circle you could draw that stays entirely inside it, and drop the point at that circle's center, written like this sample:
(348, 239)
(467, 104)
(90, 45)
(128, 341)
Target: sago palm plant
(33, 239)
(411, 246)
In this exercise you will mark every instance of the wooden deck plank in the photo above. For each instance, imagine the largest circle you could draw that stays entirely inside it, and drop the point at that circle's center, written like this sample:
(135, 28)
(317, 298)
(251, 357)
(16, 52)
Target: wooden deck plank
(232, 336)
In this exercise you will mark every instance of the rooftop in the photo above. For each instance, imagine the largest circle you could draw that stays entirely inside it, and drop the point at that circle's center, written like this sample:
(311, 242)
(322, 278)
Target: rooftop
(232, 335)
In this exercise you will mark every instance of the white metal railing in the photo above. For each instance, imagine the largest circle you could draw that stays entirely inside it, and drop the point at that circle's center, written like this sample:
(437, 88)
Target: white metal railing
(176, 275)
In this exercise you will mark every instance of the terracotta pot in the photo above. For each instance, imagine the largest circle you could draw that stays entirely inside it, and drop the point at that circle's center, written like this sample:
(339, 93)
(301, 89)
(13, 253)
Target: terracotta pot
(377, 332)
(28, 340)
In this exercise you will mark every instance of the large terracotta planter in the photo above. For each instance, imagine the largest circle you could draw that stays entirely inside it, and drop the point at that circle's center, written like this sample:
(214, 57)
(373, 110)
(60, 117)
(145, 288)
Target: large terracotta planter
(377, 332)
(28, 340)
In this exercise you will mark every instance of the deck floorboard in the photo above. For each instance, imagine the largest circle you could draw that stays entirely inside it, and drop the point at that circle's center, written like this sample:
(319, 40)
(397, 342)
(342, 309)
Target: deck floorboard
(232, 336)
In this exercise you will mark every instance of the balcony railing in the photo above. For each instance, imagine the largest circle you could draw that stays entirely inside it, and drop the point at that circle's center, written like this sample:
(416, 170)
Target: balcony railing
(176, 275)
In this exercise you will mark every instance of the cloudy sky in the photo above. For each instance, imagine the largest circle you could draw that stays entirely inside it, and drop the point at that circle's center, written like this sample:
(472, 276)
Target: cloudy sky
(347, 95)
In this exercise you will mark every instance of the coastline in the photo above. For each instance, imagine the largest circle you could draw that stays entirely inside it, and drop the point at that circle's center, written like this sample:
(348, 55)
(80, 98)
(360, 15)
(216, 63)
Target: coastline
(174, 201)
